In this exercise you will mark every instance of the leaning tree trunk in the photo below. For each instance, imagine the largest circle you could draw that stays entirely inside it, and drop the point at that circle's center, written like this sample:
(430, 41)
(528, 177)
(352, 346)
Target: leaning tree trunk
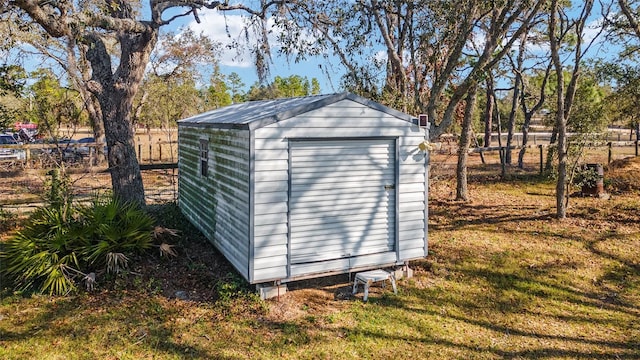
(463, 147)
(98, 130)
(92, 105)
(79, 73)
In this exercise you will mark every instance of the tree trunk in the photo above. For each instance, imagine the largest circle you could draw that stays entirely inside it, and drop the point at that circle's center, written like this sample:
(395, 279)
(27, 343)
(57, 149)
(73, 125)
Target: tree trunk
(512, 118)
(561, 120)
(525, 139)
(497, 120)
(551, 153)
(79, 73)
(115, 92)
(488, 114)
(126, 178)
(562, 168)
(97, 125)
(463, 146)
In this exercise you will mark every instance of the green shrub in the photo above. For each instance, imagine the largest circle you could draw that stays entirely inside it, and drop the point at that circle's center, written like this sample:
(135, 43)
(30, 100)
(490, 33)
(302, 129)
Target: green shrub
(63, 244)
(587, 176)
(44, 253)
(111, 226)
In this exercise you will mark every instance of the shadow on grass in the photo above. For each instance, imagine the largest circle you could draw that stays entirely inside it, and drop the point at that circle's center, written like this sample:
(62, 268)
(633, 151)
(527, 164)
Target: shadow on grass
(100, 326)
(473, 215)
(539, 353)
(529, 289)
(490, 174)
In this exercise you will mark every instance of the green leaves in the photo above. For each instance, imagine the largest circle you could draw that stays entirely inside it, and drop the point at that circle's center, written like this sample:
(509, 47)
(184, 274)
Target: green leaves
(282, 87)
(61, 244)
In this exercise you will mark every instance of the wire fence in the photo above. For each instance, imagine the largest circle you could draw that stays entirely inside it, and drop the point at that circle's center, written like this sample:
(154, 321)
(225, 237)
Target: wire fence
(601, 150)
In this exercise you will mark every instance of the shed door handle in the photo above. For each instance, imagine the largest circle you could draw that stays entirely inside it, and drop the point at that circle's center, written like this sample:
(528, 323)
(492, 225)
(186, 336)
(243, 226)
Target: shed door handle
(389, 187)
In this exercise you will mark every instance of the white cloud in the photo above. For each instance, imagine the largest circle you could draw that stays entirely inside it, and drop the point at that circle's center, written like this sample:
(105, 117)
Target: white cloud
(593, 29)
(227, 30)
(237, 36)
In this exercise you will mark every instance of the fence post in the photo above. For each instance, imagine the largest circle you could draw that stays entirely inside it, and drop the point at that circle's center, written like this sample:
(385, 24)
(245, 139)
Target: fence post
(150, 147)
(636, 148)
(610, 145)
(503, 162)
(160, 149)
(541, 159)
(139, 150)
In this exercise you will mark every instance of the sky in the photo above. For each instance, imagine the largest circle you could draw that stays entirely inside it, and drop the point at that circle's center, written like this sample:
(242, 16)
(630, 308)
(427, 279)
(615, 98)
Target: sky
(227, 28)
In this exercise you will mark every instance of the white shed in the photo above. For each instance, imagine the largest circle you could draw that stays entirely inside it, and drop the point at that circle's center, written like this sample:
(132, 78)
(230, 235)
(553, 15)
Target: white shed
(306, 187)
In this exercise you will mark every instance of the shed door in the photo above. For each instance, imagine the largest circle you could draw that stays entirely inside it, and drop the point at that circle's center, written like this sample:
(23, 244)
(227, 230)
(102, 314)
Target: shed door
(342, 200)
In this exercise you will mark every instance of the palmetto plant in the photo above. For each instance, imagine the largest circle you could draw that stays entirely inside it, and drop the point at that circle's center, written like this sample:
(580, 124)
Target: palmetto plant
(65, 243)
(114, 227)
(44, 253)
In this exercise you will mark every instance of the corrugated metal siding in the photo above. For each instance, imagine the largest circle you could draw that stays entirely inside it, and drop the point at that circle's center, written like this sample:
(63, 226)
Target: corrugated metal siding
(341, 119)
(218, 204)
(339, 206)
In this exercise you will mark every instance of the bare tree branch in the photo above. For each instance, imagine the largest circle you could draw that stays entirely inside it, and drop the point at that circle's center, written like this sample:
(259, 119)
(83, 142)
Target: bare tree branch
(626, 10)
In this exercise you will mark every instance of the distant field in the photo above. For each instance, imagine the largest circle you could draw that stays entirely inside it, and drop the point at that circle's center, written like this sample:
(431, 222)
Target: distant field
(162, 141)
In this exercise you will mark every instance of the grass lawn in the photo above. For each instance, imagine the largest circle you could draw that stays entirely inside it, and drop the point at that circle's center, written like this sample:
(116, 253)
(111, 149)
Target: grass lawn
(503, 279)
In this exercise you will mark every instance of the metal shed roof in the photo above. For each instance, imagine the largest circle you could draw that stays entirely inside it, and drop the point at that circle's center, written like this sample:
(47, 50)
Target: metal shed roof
(256, 114)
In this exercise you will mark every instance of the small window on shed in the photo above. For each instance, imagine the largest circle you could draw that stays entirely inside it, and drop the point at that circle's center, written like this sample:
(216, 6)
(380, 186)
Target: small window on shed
(204, 157)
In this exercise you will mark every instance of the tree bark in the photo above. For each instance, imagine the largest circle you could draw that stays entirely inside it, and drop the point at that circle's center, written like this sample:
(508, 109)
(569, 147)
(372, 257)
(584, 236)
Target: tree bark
(512, 117)
(463, 146)
(488, 113)
(115, 93)
(561, 121)
(525, 139)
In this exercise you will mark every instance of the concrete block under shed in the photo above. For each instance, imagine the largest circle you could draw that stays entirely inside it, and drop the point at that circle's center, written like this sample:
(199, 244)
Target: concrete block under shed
(267, 291)
(403, 272)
